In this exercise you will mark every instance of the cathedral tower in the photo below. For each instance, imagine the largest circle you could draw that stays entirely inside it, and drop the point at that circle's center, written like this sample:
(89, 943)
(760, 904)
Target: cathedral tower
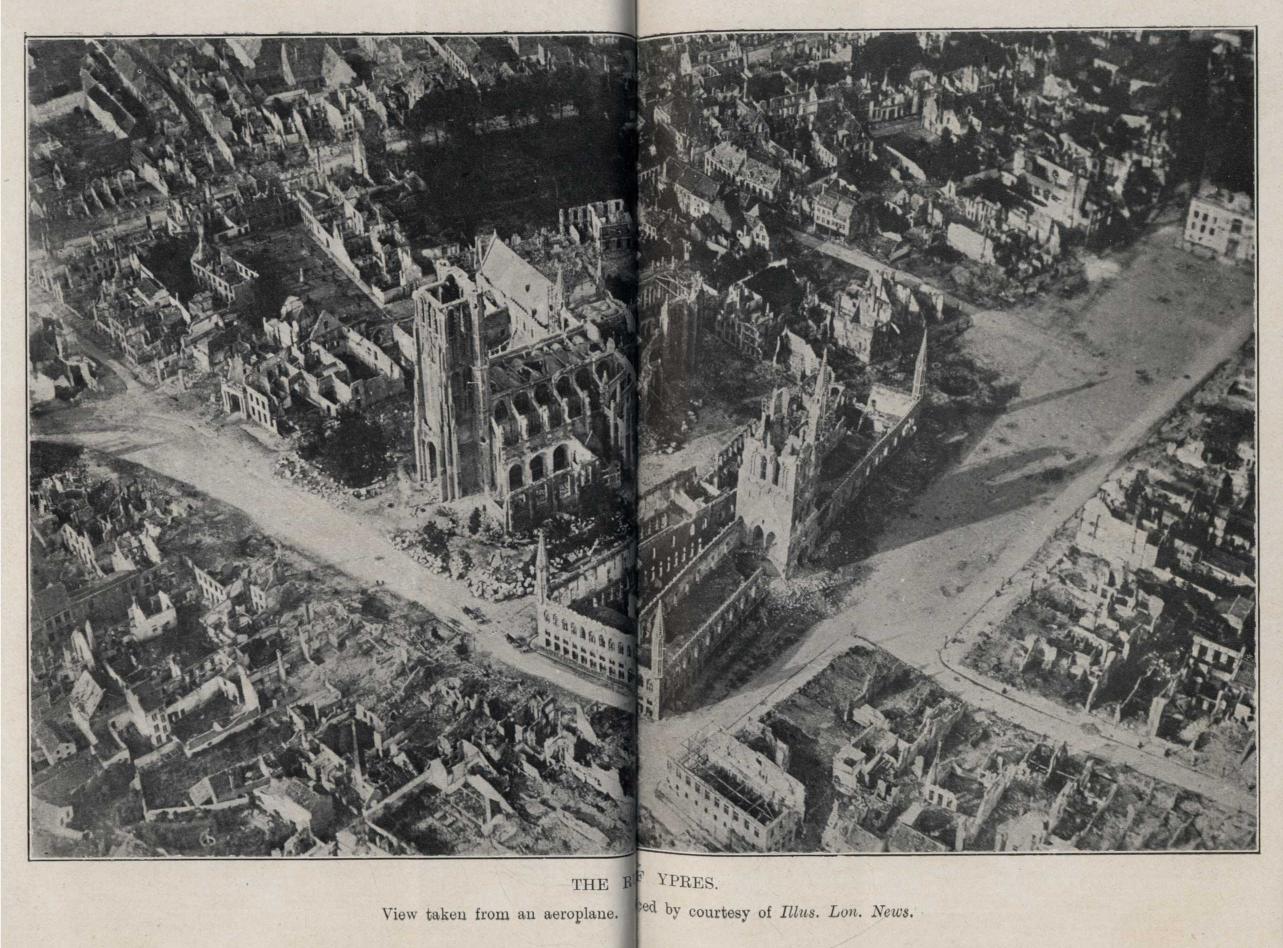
(451, 388)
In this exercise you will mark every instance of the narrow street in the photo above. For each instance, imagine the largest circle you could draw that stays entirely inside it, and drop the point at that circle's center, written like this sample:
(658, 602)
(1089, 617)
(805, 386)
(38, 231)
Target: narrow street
(839, 250)
(1093, 385)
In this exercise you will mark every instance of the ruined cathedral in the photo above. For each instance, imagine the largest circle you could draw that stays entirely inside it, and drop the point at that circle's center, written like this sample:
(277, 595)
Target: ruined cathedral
(522, 397)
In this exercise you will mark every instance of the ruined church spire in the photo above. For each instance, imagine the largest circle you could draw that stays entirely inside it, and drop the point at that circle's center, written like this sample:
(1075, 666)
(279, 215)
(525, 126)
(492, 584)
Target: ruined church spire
(541, 568)
(920, 369)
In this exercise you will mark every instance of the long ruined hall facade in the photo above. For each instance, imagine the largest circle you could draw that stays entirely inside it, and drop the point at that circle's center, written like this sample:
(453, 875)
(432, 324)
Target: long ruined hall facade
(519, 398)
(711, 544)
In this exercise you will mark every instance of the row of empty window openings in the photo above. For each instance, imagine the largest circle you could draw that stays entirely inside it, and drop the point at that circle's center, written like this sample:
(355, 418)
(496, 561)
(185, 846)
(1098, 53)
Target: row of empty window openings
(538, 468)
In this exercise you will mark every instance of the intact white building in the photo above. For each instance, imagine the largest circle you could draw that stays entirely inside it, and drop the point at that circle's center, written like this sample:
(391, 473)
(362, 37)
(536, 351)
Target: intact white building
(1222, 224)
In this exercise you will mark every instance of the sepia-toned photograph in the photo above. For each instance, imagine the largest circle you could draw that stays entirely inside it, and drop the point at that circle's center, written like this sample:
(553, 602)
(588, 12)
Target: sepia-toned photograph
(947, 499)
(331, 388)
(498, 445)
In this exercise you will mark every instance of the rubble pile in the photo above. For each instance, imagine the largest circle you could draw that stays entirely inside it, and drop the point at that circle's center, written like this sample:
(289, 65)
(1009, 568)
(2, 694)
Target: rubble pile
(290, 467)
(501, 579)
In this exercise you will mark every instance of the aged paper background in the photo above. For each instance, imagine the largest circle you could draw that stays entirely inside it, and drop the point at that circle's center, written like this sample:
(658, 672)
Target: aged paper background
(1070, 899)
(300, 902)
(973, 900)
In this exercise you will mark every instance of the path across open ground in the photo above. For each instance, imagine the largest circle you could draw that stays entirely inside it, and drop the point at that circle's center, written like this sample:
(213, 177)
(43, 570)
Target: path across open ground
(1096, 373)
(224, 461)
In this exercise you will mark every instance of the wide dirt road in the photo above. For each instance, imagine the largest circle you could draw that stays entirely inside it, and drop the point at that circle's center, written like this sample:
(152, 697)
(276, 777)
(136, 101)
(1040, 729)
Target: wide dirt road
(1096, 374)
(142, 425)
